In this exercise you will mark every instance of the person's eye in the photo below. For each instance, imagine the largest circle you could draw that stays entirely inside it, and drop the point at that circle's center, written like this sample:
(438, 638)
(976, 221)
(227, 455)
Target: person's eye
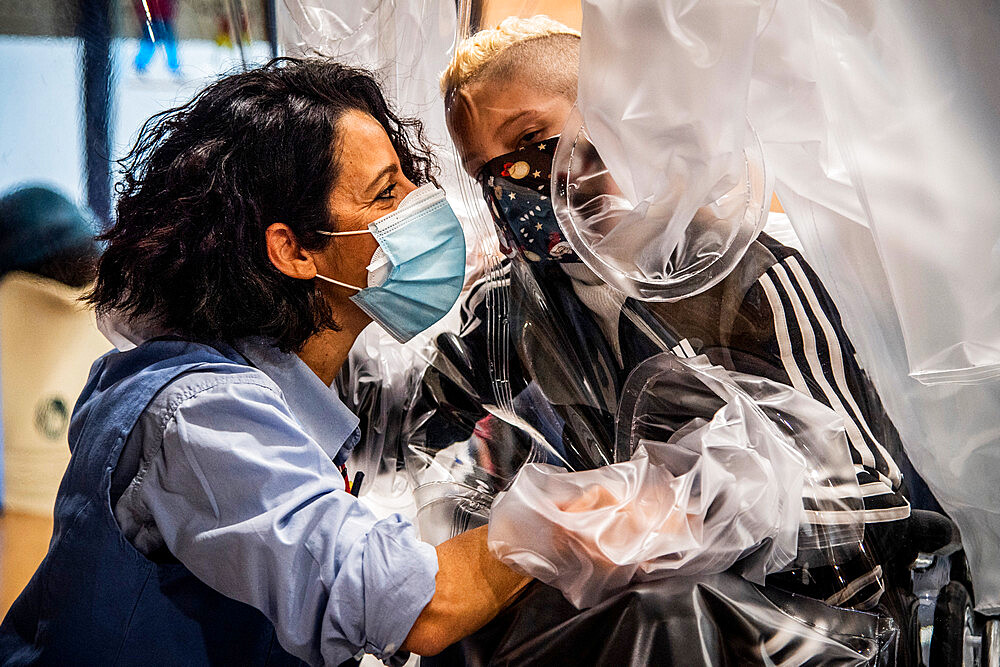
(528, 138)
(387, 193)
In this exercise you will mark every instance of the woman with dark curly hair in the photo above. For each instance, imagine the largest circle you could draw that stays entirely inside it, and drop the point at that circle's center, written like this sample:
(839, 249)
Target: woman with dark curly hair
(206, 511)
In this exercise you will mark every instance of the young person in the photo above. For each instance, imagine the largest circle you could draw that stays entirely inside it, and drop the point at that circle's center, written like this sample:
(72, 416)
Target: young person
(509, 91)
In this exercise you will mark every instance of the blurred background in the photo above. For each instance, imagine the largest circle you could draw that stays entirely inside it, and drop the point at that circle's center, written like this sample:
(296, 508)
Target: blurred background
(79, 79)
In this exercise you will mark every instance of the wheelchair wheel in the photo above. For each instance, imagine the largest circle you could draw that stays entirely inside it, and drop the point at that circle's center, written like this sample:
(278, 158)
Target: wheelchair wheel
(953, 621)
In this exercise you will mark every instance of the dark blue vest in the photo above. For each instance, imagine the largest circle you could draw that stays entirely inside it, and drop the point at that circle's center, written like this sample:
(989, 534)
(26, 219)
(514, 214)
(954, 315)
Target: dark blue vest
(95, 600)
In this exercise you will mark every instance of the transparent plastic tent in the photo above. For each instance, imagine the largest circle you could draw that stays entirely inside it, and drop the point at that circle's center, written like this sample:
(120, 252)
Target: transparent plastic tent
(884, 153)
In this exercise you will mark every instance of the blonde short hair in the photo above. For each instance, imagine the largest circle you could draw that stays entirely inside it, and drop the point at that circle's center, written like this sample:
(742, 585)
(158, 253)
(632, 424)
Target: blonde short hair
(475, 53)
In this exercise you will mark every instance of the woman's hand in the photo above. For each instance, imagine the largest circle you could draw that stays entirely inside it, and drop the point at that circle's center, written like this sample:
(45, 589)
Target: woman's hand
(624, 524)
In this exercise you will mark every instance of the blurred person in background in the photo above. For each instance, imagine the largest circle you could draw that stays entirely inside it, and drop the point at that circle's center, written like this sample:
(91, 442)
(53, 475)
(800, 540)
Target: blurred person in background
(48, 339)
(43, 233)
(156, 18)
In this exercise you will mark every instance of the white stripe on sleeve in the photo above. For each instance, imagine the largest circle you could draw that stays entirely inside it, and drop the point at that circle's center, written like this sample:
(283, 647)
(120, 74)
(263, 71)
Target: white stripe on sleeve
(833, 345)
(781, 332)
(816, 369)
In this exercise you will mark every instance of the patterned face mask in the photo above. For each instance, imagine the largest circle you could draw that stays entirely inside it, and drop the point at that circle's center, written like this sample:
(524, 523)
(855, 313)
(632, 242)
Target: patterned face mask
(516, 187)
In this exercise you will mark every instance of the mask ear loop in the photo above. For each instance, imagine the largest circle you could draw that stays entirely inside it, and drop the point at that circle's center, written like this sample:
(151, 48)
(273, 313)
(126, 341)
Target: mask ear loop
(350, 233)
(338, 283)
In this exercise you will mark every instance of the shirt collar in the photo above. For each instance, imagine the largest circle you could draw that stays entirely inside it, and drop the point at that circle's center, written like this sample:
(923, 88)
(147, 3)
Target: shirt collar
(316, 406)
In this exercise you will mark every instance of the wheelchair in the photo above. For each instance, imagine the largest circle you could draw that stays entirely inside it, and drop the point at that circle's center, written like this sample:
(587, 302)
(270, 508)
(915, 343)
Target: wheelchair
(928, 569)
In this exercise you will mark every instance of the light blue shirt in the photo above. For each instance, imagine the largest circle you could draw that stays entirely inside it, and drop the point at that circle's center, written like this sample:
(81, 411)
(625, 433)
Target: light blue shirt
(236, 476)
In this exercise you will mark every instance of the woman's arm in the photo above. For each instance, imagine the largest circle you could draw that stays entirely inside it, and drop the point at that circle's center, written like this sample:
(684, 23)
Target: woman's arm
(471, 587)
(254, 507)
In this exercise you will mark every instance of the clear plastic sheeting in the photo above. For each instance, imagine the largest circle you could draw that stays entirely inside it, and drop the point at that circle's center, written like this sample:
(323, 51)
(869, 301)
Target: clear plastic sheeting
(709, 478)
(406, 41)
(878, 120)
(683, 192)
(635, 248)
(377, 383)
(878, 124)
(711, 620)
(919, 134)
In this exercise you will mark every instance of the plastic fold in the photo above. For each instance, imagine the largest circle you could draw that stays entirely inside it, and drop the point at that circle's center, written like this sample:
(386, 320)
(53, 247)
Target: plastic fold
(710, 620)
(705, 478)
(682, 176)
(377, 383)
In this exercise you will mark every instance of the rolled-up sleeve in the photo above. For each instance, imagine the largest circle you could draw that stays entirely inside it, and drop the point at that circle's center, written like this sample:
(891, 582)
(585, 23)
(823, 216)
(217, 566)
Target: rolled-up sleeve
(256, 509)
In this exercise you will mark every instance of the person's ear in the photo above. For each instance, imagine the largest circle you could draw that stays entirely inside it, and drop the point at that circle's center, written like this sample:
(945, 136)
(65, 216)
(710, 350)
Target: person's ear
(286, 254)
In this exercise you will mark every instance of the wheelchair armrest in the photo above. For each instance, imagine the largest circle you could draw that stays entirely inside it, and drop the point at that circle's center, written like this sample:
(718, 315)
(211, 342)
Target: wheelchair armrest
(932, 533)
(924, 531)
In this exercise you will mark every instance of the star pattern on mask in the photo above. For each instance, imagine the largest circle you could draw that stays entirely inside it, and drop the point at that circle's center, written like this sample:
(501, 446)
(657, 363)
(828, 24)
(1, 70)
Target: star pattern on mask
(527, 215)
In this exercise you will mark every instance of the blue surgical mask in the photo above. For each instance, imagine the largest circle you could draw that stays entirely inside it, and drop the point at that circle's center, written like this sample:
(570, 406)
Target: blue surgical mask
(417, 273)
